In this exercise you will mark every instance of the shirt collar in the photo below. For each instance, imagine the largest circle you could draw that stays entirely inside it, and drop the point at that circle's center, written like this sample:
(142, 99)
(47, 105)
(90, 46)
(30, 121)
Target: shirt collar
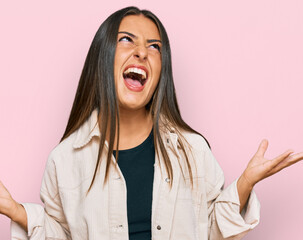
(90, 129)
(87, 131)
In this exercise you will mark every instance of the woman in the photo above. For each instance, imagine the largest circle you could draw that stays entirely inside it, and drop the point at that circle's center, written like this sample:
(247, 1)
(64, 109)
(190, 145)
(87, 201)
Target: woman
(128, 166)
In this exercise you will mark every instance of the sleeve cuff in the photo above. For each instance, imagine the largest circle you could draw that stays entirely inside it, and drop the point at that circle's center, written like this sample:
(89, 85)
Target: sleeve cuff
(17, 232)
(227, 207)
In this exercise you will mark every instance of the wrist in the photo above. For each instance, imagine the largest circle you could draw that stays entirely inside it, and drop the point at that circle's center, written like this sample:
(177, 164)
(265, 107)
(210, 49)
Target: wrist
(244, 181)
(244, 187)
(19, 216)
(17, 211)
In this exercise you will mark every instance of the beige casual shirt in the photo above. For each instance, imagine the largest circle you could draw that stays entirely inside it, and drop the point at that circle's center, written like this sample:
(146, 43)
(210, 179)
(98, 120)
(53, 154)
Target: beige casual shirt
(204, 212)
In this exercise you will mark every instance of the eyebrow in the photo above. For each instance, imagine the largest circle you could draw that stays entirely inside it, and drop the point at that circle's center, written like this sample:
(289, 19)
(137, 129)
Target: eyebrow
(134, 36)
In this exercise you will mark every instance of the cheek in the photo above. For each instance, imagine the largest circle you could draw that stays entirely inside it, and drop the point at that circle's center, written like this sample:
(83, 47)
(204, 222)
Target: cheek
(157, 72)
(121, 57)
(118, 63)
(156, 79)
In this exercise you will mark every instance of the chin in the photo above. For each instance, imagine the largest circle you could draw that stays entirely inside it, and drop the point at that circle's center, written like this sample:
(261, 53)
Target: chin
(131, 106)
(133, 101)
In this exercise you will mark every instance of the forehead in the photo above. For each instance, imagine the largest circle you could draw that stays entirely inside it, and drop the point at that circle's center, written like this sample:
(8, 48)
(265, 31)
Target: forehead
(140, 26)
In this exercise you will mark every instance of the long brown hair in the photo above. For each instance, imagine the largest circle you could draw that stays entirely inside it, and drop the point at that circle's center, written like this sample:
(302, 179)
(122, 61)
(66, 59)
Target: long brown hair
(96, 90)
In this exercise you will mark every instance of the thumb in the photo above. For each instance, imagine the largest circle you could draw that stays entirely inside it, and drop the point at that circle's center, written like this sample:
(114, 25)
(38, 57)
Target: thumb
(262, 148)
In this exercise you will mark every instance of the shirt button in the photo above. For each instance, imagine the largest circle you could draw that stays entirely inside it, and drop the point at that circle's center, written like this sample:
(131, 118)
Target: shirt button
(159, 227)
(167, 180)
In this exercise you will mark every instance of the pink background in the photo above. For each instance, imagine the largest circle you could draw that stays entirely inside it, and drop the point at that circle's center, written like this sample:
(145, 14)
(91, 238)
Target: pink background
(238, 73)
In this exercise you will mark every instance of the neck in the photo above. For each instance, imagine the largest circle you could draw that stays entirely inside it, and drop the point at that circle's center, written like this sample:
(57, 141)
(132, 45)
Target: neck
(135, 126)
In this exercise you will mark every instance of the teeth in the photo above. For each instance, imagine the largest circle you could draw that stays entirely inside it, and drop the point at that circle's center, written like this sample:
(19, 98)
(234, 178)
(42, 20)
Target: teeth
(136, 70)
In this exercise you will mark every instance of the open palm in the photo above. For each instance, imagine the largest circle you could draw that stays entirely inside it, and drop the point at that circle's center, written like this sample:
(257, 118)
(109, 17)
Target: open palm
(259, 167)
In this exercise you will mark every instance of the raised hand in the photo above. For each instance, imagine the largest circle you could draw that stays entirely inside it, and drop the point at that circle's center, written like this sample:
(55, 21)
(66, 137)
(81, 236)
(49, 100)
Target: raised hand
(259, 167)
(7, 203)
(10, 208)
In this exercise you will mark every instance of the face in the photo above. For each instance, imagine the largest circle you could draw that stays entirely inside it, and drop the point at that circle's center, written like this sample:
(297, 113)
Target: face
(137, 65)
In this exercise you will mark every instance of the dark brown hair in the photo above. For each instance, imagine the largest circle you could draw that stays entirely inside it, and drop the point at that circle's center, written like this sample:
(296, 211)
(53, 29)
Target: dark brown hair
(96, 90)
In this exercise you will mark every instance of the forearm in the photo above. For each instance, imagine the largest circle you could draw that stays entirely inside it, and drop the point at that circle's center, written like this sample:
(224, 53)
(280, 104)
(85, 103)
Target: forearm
(244, 189)
(19, 216)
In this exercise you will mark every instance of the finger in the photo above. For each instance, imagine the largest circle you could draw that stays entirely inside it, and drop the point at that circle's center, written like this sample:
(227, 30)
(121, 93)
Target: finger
(280, 158)
(296, 157)
(270, 165)
(290, 160)
(262, 148)
(3, 187)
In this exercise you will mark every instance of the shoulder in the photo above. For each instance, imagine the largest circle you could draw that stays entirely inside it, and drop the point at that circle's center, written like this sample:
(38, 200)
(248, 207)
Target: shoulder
(203, 157)
(79, 140)
(63, 150)
(72, 165)
(195, 141)
(57, 165)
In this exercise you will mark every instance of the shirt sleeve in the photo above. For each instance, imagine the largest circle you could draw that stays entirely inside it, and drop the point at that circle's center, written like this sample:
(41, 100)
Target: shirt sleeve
(44, 222)
(225, 219)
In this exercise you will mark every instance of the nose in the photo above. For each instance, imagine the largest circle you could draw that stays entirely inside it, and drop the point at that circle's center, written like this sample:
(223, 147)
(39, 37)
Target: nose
(140, 53)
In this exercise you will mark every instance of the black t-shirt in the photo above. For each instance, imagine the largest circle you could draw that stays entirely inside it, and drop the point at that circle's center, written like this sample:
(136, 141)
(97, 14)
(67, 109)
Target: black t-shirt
(137, 167)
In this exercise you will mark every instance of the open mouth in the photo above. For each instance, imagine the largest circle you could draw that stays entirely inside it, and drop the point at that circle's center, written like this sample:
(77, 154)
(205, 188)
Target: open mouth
(135, 77)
